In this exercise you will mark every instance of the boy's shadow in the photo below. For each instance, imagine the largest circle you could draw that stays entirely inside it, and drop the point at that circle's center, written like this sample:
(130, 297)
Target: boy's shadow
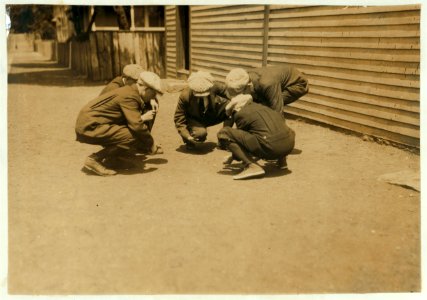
(200, 149)
(270, 170)
(132, 165)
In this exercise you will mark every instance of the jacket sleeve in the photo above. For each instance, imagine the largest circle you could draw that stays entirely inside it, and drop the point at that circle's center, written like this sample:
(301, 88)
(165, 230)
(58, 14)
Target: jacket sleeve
(296, 90)
(180, 117)
(131, 110)
(219, 89)
(300, 88)
(273, 94)
(112, 85)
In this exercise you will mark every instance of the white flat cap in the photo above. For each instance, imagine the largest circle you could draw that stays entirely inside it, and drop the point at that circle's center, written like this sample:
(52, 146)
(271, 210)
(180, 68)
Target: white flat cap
(237, 79)
(200, 83)
(132, 71)
(151, 80)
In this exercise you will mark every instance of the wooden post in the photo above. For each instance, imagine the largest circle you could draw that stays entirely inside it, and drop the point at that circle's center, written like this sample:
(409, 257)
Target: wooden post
(146, 17)
(92, 24)
(132, 18)
(116, 55)
(69, 55)
(265, 39)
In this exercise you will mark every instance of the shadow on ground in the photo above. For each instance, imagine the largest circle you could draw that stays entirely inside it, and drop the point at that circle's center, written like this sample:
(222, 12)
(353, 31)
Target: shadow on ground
(201, 149)
(131, 165)
(270, 170)
(48, 74)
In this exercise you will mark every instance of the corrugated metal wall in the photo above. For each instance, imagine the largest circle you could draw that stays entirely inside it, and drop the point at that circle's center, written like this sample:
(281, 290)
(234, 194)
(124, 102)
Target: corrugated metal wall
(226, 37)
(362, 64)
(170, 24)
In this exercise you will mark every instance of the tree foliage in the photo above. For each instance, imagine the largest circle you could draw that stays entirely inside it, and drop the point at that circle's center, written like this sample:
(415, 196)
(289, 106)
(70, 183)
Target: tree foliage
(32, 19)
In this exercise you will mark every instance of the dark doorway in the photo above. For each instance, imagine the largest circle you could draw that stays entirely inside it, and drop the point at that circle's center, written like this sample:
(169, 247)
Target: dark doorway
(183, 39)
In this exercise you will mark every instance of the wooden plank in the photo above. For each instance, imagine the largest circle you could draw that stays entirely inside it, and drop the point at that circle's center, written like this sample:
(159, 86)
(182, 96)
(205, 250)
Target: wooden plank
(172, 55)
(219, 72)
(389, 125)
(195, 8)
(229, 47)
(87, 58)
(116, 55)
(171, 74)
(227, 59)
(372, 54)
(159, 53)
(410, 68)
(226, 18)
(226, 40)
(393, 31)
(353, 20)
(226, 55)
(230, 26)
(143, 51)
(401, 93)
(94, 57)
(151, 60)
(395, 80)
(126, 49)
(331, 42)
(229, 64)
(363, 129)
(364, 109)
(230, 33)
(136, 37)
(398, 104)
(315, 11)
(226, 10)
(103, 56)
(170, 60)
(108, 50)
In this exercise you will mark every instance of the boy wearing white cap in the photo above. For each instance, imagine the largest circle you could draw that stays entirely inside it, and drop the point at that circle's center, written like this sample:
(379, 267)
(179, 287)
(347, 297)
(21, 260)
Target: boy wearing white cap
(200, 105)
(260, 132)
(115, 121)
(274, 86)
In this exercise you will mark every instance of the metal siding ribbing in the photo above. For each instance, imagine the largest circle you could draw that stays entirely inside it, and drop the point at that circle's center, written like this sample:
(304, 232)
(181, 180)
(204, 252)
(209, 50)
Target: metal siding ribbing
(170, 41)
(226, 37)
(362, 64)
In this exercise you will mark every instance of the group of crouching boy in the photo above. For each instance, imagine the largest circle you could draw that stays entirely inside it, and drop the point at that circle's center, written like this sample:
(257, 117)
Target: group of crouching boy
(250, 105)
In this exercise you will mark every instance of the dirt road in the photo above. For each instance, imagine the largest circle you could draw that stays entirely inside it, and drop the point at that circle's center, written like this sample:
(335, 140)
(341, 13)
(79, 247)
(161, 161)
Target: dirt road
(179, 224)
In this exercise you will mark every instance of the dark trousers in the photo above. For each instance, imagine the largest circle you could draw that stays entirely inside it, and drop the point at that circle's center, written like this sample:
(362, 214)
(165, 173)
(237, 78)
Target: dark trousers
(197, 130)
(251, 144)
(115, 137)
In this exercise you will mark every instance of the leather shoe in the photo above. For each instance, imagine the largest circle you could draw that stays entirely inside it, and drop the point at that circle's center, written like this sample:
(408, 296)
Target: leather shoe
(250, 171)
(96, 167)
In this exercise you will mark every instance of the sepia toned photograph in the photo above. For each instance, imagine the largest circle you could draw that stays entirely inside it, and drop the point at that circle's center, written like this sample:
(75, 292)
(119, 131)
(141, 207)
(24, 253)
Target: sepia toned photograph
(233, 149)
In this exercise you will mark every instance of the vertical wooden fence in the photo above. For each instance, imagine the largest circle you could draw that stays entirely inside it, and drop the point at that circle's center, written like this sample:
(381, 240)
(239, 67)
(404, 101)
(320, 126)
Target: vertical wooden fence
(104, 54)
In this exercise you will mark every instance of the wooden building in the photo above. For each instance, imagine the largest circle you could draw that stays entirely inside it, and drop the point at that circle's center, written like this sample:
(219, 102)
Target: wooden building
(363, 63)
(109, 37)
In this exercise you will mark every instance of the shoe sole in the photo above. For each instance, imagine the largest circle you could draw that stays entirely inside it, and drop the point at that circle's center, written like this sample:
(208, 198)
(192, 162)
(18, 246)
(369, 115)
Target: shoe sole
(96, 172)
(251, 175)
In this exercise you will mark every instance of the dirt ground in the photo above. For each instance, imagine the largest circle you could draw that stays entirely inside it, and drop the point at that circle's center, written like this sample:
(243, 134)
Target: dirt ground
(178, 224)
